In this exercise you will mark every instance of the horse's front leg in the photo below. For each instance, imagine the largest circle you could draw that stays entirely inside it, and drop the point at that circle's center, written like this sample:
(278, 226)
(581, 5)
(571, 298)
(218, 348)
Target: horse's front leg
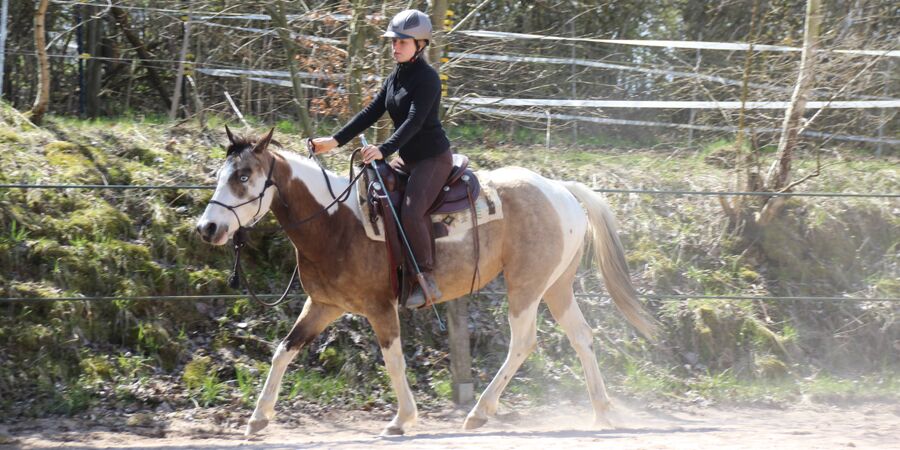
(387, 328)
(313, 319)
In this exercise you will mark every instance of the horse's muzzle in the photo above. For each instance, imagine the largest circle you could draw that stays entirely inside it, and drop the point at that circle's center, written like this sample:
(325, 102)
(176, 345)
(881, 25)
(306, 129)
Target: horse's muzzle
(210, 232)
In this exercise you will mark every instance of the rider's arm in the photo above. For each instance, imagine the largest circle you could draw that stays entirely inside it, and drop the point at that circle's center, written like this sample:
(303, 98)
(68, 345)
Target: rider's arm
(364, 119)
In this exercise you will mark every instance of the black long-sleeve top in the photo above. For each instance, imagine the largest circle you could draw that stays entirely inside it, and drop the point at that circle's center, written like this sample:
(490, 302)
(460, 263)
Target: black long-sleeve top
(412, 96)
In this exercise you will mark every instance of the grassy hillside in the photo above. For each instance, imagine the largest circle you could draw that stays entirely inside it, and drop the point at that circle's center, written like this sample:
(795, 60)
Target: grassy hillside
(65, 357)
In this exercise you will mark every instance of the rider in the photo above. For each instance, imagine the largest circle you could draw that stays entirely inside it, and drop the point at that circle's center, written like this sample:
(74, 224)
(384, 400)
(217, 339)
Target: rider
(412, 96)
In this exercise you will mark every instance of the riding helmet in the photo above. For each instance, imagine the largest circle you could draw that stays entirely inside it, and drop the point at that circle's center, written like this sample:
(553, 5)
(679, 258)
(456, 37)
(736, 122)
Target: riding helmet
(411, 23)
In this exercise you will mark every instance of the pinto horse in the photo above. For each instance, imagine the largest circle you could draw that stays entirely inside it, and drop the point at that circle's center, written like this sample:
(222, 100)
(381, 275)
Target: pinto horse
(538, 245)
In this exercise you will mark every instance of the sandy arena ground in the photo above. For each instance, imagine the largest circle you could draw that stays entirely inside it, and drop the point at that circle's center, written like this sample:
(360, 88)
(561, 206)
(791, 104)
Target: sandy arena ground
(806, 426)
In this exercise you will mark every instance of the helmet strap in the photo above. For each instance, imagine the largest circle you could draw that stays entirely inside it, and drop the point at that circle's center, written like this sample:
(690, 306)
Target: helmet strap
(419, 50)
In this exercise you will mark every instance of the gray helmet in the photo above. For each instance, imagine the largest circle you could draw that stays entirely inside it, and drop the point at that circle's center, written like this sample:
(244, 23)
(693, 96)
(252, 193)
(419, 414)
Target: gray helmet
(411, 23)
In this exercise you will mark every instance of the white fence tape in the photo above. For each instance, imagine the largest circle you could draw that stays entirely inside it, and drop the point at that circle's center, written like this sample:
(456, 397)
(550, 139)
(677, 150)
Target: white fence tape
(702, 45)
(645, 123)
(604, 65)
(262, 73)
(265, 32)
(652, 104)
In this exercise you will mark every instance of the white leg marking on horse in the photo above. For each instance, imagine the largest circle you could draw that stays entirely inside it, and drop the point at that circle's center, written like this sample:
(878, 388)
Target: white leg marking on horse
(523, 339)
(580, 336)
(407, 413)
(265, 406)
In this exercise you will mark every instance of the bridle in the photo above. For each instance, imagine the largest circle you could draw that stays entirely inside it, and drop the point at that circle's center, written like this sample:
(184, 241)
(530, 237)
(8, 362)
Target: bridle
(241, 235)
(269, 183)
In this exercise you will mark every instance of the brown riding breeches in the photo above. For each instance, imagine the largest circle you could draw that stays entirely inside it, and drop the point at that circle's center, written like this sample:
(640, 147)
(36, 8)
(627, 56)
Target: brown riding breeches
(426, 178)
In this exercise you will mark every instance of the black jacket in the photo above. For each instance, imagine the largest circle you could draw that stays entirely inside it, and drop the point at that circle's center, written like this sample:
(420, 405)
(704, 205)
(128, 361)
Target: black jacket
(412, 96)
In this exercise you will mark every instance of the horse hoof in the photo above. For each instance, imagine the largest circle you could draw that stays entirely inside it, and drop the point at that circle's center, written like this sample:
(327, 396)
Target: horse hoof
(255, 425)
(603, 423)
(392, 430)
(473, 423)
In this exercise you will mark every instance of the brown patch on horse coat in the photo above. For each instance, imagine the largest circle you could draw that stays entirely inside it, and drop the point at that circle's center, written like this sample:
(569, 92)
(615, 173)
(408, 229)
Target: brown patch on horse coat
(312, 321)
(244, 164)
(529, 260)
(339, 265)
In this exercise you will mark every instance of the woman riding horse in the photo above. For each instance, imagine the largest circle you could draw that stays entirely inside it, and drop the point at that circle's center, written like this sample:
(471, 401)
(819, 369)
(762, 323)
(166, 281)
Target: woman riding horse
(412, 97)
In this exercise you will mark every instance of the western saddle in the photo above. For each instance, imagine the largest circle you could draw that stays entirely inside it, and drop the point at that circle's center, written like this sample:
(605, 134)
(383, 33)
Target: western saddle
(459, 193)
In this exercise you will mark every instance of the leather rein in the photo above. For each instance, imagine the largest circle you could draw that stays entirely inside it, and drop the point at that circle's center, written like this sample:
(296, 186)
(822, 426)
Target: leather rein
(241, 235)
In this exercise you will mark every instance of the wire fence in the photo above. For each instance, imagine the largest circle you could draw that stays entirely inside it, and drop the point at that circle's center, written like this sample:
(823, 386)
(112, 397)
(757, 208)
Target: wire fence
(593, 295)
(662, 297)
(599, 190)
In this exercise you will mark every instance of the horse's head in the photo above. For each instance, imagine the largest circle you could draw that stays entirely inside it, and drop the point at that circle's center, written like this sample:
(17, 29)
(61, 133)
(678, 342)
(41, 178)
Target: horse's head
(243, 189)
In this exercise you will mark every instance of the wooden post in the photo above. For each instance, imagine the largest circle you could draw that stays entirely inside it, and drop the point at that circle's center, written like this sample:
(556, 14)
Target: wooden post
(179, 76)
(460, 357)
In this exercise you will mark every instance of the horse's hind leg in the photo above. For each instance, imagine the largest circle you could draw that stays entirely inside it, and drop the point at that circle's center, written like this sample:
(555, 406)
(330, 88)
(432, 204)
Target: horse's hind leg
(523, 338)
(313, 319)
(561, 302)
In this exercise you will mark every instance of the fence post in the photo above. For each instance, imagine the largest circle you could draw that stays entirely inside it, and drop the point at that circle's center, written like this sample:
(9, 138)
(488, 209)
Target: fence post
(547, 112)
(460, 357)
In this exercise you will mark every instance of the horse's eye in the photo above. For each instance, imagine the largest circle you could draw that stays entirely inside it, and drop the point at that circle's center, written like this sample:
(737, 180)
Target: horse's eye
(244, 178)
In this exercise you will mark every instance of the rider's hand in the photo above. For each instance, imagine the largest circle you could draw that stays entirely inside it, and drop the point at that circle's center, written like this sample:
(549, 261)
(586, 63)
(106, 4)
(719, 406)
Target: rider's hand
(370, 153)
(324, 144)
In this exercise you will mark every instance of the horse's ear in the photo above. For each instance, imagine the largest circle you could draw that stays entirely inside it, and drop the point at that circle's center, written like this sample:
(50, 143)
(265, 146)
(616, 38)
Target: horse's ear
(228, 132)
(264, 142)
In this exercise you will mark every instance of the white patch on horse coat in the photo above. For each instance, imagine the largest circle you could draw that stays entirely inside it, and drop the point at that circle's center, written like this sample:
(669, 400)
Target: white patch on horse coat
(265, 406)
(407, 413)
(303, 169)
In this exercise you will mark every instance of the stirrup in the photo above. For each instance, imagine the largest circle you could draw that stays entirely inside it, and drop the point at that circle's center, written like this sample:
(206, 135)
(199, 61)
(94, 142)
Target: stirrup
(425, 294)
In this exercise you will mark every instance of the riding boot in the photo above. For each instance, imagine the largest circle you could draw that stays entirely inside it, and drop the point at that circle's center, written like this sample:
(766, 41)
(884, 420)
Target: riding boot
(418, 297)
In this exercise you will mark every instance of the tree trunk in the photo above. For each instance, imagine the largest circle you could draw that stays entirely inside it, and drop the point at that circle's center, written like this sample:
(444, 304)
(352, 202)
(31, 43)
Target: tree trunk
(4, 11)
(779, 175)
(40, 43)
(93, 65)
(280, 20)
(384, 65)
(438, 48)
(122, 20)
(438, 15)
(356, 47)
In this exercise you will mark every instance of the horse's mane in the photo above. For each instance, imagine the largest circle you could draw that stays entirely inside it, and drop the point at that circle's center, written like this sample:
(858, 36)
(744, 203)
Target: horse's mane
(242, 143)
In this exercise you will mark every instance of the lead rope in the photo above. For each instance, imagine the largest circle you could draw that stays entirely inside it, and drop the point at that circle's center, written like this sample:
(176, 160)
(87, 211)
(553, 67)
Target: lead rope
(237, 274)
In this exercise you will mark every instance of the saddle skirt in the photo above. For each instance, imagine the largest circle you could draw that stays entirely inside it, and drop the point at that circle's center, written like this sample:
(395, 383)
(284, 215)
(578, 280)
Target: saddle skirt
(451, 218)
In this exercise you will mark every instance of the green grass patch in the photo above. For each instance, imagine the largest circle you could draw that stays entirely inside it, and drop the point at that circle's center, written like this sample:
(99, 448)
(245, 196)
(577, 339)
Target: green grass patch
(312, 385)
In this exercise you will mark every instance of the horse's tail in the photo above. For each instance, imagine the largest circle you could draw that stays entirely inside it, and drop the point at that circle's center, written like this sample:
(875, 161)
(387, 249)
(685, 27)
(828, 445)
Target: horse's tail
(610, 256)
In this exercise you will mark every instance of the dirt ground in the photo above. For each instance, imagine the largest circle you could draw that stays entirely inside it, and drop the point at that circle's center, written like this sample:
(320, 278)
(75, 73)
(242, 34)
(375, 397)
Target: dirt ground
(805, 426)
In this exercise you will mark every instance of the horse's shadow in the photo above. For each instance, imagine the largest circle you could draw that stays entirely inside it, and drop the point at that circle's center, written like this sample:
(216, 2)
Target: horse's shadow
(435, 438)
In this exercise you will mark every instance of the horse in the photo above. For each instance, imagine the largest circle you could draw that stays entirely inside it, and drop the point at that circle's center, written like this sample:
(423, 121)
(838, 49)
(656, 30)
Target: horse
(537, 245)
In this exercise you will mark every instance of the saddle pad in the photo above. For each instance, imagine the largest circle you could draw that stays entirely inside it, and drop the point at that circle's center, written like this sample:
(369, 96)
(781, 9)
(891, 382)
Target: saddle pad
(487, 206)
